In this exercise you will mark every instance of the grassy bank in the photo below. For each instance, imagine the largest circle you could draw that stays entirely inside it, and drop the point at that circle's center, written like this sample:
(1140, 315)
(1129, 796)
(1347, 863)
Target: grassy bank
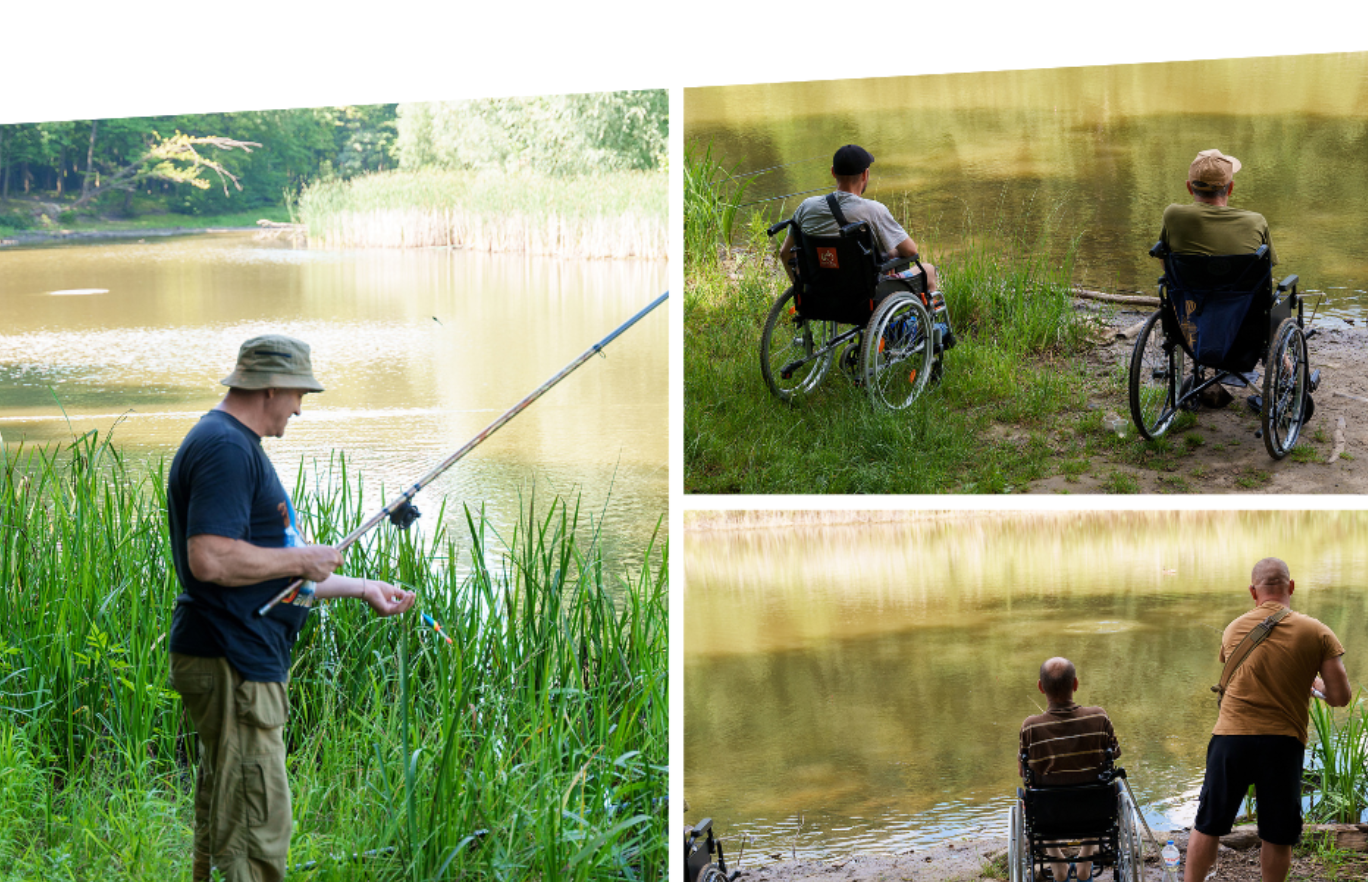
(1017, 365)
(161, 220)
(534, 746)
(614, 215)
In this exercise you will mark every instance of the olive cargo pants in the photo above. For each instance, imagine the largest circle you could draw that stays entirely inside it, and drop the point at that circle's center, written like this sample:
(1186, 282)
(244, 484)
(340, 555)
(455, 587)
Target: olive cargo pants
(242, 797)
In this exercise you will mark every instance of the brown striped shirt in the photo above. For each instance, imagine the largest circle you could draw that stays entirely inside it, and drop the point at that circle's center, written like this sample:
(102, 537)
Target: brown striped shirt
(1066, 744)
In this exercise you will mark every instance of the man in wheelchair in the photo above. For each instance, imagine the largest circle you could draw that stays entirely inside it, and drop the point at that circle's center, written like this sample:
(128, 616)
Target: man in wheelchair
(827, 215)
(1068, 745)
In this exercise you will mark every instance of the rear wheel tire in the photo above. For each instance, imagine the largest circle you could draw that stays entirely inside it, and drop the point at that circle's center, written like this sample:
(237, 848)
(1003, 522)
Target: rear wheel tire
(1284, 392)
(1129, 848)
(1155, 375)
(1018, 848)
(786, 350)
(898, 351)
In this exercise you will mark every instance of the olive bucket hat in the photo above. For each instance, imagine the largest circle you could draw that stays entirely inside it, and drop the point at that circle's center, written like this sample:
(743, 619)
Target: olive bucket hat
(273, 361)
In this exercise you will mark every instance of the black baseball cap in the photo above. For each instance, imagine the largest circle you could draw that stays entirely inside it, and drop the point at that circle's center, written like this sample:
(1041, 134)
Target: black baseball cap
(851, 160)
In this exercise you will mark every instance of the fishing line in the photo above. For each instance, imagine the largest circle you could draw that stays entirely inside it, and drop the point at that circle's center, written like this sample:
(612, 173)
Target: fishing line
(762, 171)
(402, 514)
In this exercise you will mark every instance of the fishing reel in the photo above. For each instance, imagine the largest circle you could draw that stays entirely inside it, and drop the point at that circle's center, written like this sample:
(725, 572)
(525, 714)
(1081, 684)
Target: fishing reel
(699, 847)
(404, 516)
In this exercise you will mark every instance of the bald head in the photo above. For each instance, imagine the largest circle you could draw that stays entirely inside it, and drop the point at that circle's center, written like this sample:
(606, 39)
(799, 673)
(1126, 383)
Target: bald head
(1058, 679)
(1270, 580)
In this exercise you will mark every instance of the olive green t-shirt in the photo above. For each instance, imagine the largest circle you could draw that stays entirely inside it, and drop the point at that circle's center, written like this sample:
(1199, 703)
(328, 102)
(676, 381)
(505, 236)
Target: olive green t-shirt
(1215, 229)
(1270, 692)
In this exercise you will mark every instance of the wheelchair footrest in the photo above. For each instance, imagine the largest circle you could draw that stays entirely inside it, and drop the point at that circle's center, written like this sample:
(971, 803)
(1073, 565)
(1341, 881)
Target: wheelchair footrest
(1315, 381)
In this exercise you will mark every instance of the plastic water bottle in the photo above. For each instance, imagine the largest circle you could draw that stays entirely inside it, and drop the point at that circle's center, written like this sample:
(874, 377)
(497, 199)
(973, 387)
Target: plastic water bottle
(1171, 860)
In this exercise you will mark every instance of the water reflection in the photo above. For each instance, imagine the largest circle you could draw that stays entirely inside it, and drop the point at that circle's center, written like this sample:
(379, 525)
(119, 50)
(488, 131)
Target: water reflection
(419, 351)
(872, 678)
(1039, 157)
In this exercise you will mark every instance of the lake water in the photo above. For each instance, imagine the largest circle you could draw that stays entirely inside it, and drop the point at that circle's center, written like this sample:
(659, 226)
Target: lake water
(871, 679)
(1041, 157)
(418, 350)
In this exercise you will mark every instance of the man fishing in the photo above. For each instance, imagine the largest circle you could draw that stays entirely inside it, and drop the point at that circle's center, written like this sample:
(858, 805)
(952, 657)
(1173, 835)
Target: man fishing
(1260, 733)
(815, 217)
(235, 543)
(1066, 744)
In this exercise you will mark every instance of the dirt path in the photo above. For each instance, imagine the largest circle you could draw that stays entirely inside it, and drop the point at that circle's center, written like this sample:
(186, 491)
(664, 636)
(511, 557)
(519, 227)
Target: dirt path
(1223, 455)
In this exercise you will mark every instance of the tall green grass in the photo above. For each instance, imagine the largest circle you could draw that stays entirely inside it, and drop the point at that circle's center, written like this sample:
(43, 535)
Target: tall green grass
(712, 197)
(614, 215)
(533, 746)
(1339, 762)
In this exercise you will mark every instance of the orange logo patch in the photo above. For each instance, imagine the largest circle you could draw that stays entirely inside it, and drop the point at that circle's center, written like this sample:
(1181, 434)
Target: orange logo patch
(826, 258)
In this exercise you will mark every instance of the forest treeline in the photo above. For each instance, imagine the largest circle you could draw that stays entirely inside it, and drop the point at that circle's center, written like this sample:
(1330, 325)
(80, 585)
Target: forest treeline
(216, 163)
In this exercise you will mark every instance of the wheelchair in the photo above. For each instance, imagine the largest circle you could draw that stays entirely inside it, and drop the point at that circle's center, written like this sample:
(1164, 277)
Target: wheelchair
(1218, 317)
(843, 309)
(1100, 815)
(699, 847)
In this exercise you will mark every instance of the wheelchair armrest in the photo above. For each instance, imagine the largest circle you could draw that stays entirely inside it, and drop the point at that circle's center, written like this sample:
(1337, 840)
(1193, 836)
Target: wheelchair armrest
(779, 226)
(852, 229)
(1261, 251)
(1159, 249)
(703, 827)
(897, 263)
(1288, 283)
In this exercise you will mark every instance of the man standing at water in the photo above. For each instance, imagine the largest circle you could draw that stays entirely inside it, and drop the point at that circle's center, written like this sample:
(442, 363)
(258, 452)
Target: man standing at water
(1260, 733)
(1209, 225)
(1067, 744)
(850, 167)
(236, 543)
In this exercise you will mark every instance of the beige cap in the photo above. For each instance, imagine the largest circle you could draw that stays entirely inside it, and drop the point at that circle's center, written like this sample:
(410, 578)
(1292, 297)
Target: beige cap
(273, 361)
(1212, 170)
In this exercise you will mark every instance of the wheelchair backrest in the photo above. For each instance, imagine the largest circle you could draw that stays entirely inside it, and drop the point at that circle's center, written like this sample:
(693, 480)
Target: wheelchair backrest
(1218, 305)
(837, 275)
(1071, 812)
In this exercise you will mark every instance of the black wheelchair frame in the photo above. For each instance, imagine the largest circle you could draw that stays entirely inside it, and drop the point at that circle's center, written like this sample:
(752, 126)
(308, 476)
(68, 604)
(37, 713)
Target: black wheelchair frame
(1165, 374)
(1100, 815)
(699, 848)
(892, 348)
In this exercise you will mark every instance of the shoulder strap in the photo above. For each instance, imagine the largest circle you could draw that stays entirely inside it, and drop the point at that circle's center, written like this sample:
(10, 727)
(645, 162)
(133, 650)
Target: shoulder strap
(1251, 642)
(836, 212)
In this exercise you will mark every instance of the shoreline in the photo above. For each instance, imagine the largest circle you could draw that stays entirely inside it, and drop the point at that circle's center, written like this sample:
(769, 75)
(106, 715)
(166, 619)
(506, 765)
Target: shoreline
(39, 237)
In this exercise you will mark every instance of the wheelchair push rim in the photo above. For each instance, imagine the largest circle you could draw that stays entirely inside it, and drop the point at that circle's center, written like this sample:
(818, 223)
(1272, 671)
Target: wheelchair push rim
(898, 351)
(1018, 849)
(1286, 375)
(1156, 371)
(795, 353)
(1129, 846)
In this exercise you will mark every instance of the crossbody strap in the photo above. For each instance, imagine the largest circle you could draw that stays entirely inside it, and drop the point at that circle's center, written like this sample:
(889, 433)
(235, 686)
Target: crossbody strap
(1251, 642)
(836, 212)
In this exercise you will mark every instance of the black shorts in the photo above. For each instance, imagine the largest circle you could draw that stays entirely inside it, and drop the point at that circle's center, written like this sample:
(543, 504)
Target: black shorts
(1273, 764)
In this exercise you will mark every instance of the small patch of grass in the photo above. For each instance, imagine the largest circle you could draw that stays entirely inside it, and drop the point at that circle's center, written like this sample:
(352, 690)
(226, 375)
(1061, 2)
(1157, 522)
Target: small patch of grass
(1185, 420)
(1319, 435)
(1348, 456)
(1200, 471)
(1073, 469)
(1252, 478)
(1306, 453)
(1193, 440)
(1120, 482)
(1174, 483)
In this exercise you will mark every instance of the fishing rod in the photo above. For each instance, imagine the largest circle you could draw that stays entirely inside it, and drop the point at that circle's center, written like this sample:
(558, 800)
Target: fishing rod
(402, 514)
(784, 196)
(762, 171)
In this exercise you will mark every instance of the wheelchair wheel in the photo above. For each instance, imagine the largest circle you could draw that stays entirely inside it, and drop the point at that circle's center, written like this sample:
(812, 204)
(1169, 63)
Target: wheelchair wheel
(1019, 847)
(1155, 372)
(787, 349)
(1129, 846)
(1284, 391)
(898, 351)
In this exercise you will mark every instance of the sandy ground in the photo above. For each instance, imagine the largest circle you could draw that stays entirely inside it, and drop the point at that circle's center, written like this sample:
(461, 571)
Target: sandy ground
(969, 861)
(1231, 459)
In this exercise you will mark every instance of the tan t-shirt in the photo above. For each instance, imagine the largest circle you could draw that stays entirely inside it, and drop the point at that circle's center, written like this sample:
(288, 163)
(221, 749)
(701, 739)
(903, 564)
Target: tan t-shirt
(1270, 692)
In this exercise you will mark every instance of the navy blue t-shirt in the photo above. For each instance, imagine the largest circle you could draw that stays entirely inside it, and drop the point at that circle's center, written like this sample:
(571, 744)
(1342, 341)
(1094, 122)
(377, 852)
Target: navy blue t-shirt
(222, 484)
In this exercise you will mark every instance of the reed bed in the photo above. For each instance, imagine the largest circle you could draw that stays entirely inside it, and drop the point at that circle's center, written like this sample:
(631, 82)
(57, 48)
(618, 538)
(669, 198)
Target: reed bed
(532, 746)
(1338, 762)
(615, 215)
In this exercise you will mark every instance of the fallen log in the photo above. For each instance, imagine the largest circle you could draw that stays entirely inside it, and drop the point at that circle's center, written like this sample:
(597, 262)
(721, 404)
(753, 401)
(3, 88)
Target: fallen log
(1133, 330)
(1127, 299)
(1339, 440)
(1347, 395)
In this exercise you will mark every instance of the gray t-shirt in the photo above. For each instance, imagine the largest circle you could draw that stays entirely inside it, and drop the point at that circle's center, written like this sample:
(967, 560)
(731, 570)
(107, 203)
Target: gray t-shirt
(814, 219)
